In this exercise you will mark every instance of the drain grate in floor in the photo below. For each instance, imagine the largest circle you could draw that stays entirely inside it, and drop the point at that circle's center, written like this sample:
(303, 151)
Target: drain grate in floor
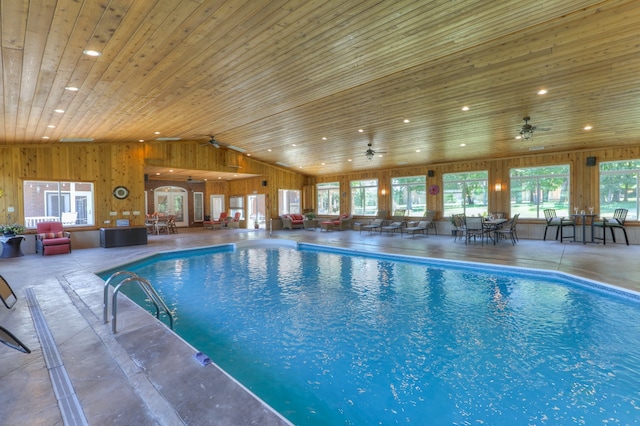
(68, 402)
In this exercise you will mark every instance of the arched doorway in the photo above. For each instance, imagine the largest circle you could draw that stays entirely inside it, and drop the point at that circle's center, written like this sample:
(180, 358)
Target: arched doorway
(172, 200)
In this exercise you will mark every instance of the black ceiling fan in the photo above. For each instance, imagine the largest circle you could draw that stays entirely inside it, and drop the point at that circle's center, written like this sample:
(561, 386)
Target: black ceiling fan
(213, 142)
(370, 153)
(191, 180)
(526, 132)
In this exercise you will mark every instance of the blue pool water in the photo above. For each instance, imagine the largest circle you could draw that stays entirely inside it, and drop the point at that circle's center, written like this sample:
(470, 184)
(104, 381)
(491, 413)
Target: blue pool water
(329, 338)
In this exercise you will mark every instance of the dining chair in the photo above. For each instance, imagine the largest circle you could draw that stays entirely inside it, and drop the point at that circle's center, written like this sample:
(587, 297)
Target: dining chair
(617, 222)
(560, 223)
(508, 229)
(474, 228)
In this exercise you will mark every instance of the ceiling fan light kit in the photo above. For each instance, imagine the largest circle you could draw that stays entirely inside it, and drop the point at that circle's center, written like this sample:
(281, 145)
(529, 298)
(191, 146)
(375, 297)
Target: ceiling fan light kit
(526, 133)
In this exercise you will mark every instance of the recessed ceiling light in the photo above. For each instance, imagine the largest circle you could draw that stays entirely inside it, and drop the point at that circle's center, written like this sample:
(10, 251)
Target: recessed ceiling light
(171, 171)
(324, 139)
(349, 159)
(59, 111)
(157, 173)
(141, 140)
(293, 144)
(248, 155)
(360, 130)
(91, 52)
(269, 149)
(51, 126)
(418, 150)
(71, 88)
(463, 144)
(542, 92)
(322, 164)
(587, 127)
(518, 137)
(406, 120)
(219, 177)
(45, 137)
(465, 108)
(156, 133)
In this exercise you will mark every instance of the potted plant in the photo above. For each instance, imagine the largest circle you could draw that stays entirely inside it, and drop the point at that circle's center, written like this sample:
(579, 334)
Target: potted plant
(12, 230)
(309, 216)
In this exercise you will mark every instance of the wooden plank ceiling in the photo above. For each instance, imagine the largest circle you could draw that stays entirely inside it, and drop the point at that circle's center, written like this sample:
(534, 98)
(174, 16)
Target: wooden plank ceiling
(294, 81)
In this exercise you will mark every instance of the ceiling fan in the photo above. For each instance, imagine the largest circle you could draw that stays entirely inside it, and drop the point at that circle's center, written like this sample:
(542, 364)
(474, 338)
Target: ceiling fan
(370, 153)
(213, 142)
(526, 132)
(191, 180)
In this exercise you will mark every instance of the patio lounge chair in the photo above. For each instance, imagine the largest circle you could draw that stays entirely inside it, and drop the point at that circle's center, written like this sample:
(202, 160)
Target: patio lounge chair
(6, 294)
(619, 216)
(212, 224)
(393, 227)
(12, 341)
(422, 227)
(374, 225)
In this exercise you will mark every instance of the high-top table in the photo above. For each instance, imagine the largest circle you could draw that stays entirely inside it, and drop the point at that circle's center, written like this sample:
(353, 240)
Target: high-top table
(583, 218)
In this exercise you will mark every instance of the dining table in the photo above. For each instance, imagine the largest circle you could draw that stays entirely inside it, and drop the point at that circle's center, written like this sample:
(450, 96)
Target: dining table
(583, 218)
(491, 225)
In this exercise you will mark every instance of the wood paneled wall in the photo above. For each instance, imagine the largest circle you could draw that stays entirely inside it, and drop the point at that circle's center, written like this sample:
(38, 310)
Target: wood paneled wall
(584, 179)
(203, 157)
(105, 165)
(110, 165)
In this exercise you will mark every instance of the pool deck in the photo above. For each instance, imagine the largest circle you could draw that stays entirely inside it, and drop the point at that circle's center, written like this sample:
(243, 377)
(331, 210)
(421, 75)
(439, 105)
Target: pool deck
(144, 375)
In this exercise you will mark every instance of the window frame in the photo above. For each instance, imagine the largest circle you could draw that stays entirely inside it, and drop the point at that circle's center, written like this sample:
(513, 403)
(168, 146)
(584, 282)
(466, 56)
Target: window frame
(364, 187)
(628, 167)
(53, 198)
(289, 201)
(465, 181)
(329, 191)
(539, 194)
(410, 188)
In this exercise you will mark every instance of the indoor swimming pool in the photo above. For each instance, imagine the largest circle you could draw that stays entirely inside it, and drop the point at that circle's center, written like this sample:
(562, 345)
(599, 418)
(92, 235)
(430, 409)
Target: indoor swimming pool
(330, 336)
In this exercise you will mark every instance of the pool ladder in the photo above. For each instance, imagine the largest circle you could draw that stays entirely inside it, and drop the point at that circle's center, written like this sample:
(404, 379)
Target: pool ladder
(144, 284)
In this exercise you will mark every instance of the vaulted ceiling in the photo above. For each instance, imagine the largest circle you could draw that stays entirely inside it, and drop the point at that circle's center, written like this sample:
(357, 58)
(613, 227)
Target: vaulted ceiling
(311, 83)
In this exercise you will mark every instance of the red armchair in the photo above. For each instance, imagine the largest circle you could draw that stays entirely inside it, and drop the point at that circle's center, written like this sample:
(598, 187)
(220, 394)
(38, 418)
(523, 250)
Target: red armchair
(52, 239)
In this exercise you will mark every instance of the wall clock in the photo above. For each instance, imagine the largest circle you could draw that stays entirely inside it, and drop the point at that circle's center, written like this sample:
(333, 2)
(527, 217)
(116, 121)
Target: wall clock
(434, 190)
(120, 192)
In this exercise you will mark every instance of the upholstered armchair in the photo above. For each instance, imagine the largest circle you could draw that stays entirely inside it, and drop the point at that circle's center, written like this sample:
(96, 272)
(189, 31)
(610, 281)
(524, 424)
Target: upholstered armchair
(52, 239)
(343, 222)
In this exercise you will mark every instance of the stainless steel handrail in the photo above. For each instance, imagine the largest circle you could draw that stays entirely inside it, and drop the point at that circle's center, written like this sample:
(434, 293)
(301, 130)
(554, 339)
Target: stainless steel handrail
(146, 287)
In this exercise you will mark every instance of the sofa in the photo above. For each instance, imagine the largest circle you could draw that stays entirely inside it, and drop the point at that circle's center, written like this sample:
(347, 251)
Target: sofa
(292, 221)
(52, 239)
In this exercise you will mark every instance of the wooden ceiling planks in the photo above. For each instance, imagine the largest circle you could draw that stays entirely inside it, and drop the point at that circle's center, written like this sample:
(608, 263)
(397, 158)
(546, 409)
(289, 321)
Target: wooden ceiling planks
(263, 75)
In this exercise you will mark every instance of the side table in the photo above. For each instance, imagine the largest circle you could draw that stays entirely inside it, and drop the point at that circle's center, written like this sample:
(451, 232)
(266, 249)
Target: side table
(11, 246)
(310, 224)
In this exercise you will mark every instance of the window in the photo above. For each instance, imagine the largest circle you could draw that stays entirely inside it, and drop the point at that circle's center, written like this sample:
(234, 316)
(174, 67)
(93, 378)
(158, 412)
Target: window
(328, 198)
(198, 206)
(535, 189)
(409, 193)
(619, 188)
(288, 201)
(364, 197)
(68, 202)
(236, 204)
(465, 193)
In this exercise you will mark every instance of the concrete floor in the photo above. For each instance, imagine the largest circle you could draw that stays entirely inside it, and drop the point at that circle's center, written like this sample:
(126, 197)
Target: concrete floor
(144, 375)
